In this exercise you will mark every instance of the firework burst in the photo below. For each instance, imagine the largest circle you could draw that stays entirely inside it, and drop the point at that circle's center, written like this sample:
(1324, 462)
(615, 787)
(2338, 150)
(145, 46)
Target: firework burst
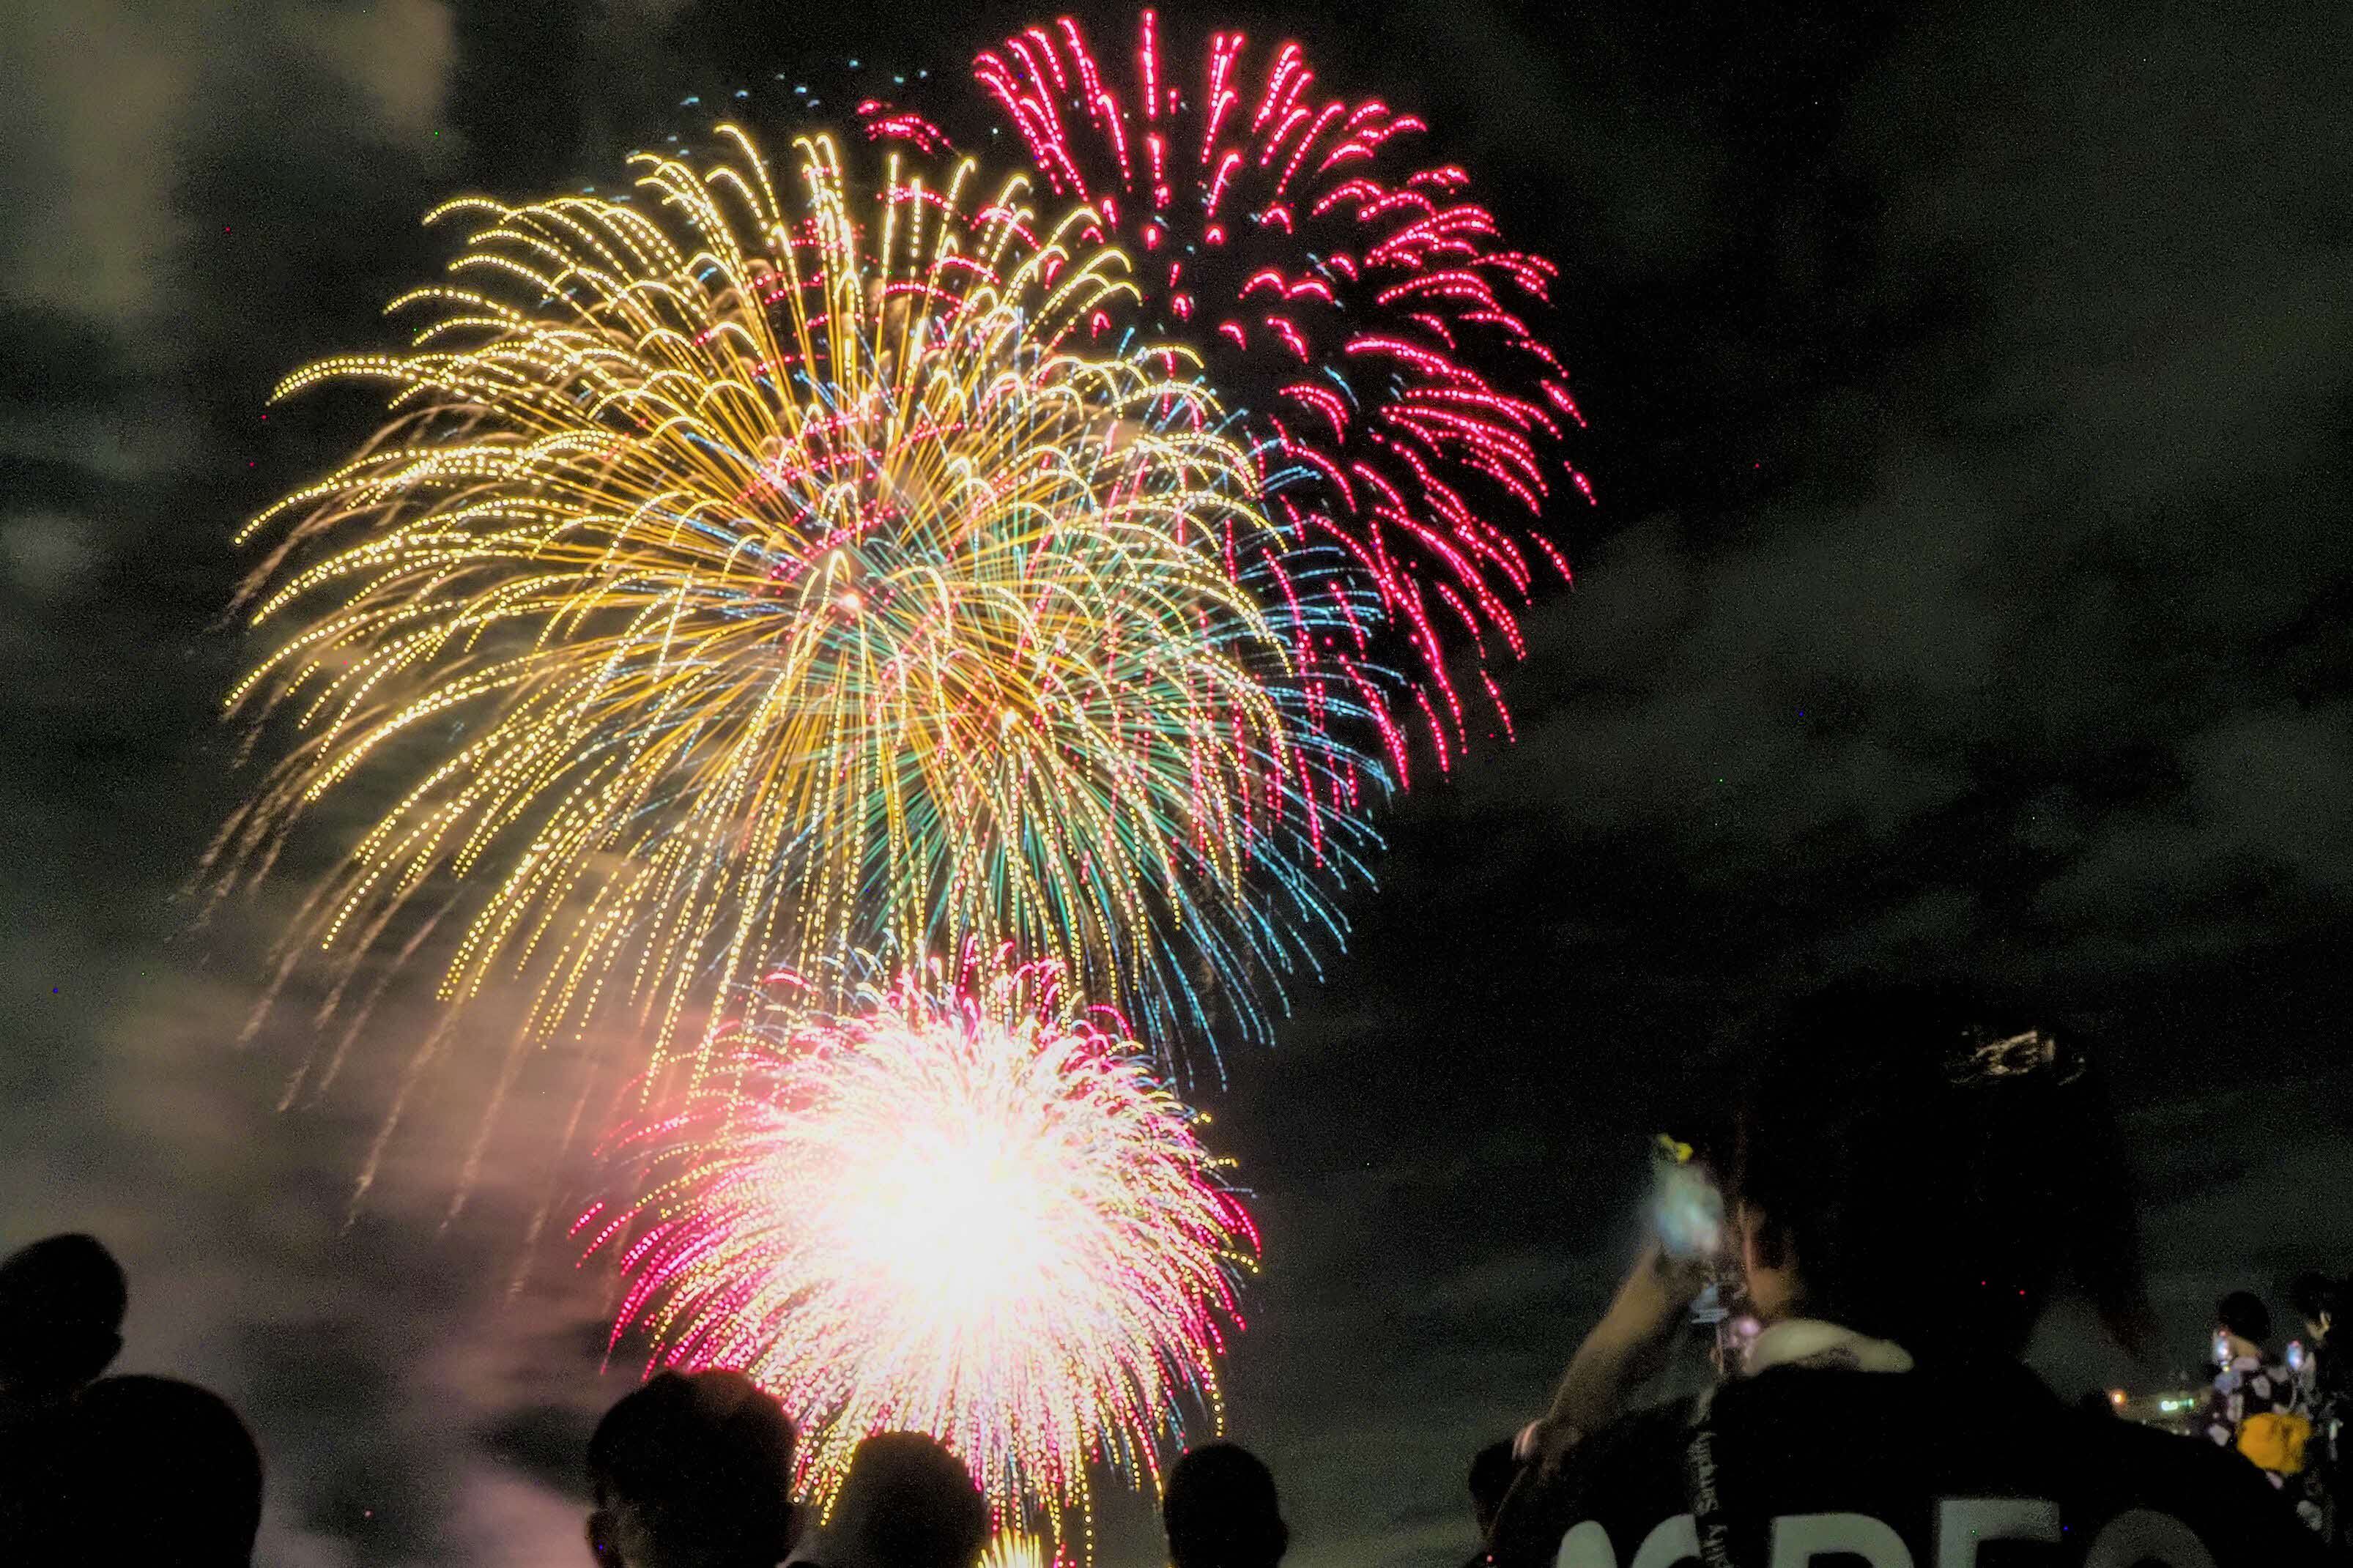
(744, 582)
(962, 1209)
(1352, 294)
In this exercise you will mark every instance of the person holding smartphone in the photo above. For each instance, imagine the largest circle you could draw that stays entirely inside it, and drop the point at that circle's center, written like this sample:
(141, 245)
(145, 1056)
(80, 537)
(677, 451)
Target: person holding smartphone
(1911, 1179)
(1678, 1270)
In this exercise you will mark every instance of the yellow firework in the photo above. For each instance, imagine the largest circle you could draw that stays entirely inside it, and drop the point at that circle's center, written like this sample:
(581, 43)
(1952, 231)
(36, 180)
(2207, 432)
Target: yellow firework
(743, 580)
(1010, 1549)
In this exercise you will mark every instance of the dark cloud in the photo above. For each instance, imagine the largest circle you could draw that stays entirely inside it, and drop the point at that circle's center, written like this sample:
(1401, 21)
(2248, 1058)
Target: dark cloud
(2022, 660)
(2062, 565)
(208, 194)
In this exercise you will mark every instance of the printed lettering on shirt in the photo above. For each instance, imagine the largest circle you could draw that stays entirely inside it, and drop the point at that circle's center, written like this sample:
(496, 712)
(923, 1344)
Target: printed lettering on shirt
(2134, 1537)
(2144, 1536)
(1965, 1523)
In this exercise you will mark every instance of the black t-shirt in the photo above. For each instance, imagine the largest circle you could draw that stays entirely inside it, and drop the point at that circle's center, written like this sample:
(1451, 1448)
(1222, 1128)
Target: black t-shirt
(1959, 1468)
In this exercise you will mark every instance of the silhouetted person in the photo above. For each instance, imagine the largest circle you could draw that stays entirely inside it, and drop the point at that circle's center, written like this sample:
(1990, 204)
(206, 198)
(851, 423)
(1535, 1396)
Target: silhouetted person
(693, 1470)
(62, 1306)
(1492, 1471)
(907, 1502)
(1910, 1179)
(2324, 1398)
(2242, 1316)
(1220, 1511)
(2251, 1388)
(160, 1473)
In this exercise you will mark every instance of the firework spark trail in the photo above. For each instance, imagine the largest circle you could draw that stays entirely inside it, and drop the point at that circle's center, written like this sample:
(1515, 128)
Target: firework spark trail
(1008, 1549)
(1366, 305)
(739, 583)
(963, 1208)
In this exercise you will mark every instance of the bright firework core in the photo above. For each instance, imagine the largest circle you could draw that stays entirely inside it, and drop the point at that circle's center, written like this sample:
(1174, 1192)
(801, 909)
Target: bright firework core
(965, 1209)
(966, 1213)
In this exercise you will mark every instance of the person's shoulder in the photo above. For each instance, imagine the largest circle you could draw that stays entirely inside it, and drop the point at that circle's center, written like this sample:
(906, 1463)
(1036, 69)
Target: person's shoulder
(1638, 1439)
(2211, 1491)
(1911, 1448)
(2130, 1449)
(1625, 1475)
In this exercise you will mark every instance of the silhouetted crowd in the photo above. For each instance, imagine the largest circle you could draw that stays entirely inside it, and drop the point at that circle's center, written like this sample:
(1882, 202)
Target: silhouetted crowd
(108, 1469)
(1907, 1182)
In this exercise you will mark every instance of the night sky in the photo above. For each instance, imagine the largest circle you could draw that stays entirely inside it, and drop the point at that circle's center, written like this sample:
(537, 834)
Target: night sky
(1972, 406)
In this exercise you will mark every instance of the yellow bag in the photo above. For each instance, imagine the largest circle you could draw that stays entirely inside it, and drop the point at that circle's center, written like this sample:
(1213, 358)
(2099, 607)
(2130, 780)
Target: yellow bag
(2275, 1440)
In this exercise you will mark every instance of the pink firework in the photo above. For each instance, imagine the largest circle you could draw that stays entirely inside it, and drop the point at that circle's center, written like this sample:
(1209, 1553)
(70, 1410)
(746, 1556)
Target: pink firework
(1353, 296)
(964, 1207)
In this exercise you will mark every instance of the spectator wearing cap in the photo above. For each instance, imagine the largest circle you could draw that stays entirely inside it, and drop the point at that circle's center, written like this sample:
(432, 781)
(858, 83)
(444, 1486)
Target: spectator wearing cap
(1911, 1177)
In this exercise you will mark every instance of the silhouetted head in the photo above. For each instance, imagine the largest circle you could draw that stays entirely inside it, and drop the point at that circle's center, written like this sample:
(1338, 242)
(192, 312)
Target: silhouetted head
(906, 1503)
(693, 1470)
(1921, 1167)
(1492, 1471)
(158, 1472)
(61, 1305)
(2319, 1301)
(2244, 1316)
(1220, 1511)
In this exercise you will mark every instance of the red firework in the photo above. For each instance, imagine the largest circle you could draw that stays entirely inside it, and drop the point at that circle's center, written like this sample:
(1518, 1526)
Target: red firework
(1351, 295)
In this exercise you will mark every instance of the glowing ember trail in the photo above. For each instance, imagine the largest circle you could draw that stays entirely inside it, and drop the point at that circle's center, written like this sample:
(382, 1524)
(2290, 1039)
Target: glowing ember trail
(960, 1208)
(1011, 1549)
(1351, 295)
